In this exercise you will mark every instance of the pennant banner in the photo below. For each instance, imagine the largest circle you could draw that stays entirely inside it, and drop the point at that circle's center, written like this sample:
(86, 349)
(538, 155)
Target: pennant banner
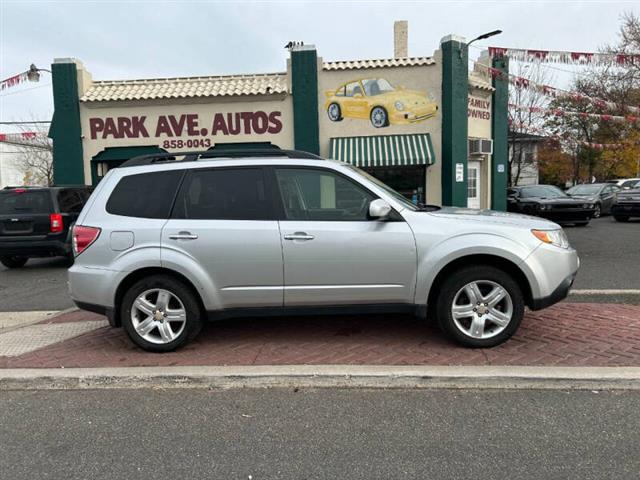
(561, 112)
(549, 91)
(20, 137)
(538, 131)
(557, 56)
(13, 81)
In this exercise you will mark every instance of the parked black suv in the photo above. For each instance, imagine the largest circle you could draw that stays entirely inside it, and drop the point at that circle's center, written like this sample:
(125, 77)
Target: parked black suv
(36, 221)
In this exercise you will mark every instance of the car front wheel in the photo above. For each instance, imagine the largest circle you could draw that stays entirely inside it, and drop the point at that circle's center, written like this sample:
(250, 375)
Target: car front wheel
(160, 313)
(480, 306)
(597, 211)
(13, 261)
(334, 112)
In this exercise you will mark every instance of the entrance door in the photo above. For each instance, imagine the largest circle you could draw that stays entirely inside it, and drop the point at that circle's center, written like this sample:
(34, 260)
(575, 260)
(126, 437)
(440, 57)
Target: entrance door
(473, 184)
(333, 253)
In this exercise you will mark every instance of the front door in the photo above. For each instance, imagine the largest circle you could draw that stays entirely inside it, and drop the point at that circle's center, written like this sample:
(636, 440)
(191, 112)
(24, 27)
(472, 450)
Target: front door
(473, 184)
(333, 254)
(223, 221)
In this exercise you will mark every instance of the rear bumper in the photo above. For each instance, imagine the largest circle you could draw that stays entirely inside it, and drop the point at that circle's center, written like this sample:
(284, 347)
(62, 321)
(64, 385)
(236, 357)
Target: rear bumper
(100, 310)
(629, 209)
(41, 248)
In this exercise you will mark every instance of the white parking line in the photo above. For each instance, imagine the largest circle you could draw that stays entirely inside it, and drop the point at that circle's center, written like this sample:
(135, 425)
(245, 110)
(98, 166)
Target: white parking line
(630, 291)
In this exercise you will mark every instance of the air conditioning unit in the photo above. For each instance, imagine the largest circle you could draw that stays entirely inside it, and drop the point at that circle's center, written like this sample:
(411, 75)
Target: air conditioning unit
(480, 146)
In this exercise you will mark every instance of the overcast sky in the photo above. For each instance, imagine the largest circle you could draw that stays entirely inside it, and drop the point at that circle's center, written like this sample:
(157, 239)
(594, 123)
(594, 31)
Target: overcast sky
(147, 39)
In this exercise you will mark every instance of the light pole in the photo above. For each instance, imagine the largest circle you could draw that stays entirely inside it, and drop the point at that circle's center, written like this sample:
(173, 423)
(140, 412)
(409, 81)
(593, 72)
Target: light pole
(33, 74)
(481, 37)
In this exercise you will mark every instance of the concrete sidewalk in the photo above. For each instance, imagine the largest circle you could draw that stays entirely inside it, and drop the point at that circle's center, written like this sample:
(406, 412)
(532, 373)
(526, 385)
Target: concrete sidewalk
(584, 334)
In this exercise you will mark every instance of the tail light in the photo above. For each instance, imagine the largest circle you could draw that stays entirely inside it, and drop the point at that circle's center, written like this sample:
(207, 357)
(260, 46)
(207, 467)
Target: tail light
(55, 223)
(83, 237)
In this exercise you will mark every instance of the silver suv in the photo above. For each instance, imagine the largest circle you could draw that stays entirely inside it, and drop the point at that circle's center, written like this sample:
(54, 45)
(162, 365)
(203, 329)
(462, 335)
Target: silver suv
(167, 241)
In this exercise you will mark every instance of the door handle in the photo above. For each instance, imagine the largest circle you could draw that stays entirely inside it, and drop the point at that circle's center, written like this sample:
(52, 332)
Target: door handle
(183, 236)
(299, 236)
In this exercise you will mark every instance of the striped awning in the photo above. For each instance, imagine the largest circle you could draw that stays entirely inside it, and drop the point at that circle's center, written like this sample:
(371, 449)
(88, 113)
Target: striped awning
(384, 150)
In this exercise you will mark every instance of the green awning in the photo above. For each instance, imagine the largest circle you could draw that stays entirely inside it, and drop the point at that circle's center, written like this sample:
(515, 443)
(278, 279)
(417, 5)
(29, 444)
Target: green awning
(384, 150)
(121, 154)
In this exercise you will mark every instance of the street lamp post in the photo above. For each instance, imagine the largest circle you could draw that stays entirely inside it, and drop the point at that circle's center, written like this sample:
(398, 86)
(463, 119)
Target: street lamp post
(33, 74)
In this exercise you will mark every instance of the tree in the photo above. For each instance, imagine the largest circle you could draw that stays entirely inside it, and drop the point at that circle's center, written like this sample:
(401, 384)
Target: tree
(35, 157)
(525, 116)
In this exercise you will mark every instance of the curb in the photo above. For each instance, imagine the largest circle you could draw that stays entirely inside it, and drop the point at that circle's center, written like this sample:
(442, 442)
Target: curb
(324, 376)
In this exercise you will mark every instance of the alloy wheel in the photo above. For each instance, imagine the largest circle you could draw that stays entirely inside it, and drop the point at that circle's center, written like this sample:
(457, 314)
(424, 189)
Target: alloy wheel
(158, 316)
(334, 112)
(378, 117)
(482, 309)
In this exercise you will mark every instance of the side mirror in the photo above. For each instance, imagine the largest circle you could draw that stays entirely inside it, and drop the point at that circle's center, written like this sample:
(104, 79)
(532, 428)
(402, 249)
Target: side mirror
(379, 209)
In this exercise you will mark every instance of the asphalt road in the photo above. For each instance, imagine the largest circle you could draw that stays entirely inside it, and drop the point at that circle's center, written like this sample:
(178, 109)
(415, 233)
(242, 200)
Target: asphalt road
(350, 434)
(609, 252)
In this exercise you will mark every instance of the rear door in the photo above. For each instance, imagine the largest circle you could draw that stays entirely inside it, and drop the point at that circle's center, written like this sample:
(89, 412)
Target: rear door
(25, 214)
(223, 220)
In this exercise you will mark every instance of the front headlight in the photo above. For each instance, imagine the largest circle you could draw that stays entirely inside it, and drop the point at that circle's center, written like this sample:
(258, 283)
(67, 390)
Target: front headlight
(587, 205)
(552, 237)
(399, 106)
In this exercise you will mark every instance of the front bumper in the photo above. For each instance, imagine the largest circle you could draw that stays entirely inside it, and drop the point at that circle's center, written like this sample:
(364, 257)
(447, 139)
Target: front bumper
(408, 117)
(551, 271)
(628, 209)
(572, 215)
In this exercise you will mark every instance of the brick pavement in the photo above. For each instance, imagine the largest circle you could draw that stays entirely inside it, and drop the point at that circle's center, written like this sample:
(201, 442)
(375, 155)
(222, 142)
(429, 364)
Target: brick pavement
(567, 334)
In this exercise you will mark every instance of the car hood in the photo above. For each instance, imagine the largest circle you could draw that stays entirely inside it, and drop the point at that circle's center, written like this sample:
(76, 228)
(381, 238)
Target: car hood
(583, 196)
(407, 96)
(493, 217)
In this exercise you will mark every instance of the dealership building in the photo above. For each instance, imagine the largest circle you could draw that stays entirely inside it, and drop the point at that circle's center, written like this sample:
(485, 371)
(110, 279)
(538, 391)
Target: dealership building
(427, 126)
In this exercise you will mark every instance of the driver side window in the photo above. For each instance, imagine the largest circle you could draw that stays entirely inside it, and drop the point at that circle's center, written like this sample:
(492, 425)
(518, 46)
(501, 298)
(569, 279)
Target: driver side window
(320, 195)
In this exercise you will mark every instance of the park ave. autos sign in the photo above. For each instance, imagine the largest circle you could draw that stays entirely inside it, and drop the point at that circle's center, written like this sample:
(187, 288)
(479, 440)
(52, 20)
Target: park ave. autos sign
(191, 128)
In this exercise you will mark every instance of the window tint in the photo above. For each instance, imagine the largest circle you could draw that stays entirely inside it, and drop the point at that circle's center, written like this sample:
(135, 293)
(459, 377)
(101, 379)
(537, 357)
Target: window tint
(146, 195)
(309, 194)
(24, 201)
(70, 201)
(224, 194)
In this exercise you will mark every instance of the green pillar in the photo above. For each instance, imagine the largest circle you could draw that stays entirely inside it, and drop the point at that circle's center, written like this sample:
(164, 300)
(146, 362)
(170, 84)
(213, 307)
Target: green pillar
(304, 88)
(455, 94)
(65, 131)
(499, 129)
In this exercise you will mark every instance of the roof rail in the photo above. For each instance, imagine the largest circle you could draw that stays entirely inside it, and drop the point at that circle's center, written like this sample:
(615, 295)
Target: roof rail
(248, 153)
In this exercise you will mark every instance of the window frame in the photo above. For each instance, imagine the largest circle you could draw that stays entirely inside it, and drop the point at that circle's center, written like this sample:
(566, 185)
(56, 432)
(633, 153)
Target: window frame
(270, 210)
(280, 208)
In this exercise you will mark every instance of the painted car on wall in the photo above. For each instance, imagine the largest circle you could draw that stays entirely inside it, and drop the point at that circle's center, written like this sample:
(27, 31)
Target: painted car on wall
(377, 100)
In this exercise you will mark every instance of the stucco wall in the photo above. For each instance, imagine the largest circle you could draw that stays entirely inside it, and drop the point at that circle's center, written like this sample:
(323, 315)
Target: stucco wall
(167, 121)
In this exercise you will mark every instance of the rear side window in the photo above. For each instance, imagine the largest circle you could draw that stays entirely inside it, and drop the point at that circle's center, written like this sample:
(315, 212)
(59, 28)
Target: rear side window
(145, 195)
(224, 194)
(18, 202)
(70, 200)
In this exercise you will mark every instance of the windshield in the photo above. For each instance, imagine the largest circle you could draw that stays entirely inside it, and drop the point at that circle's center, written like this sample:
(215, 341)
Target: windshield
(376, 86)
(396, 196)
(629, 183)
(543, 191)
(584, 190)
(21, 201)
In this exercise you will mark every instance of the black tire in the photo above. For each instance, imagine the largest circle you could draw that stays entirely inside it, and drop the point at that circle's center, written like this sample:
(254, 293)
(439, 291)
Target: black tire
(13, 261)
(456, 281)
(581, 224)
(621, 218)
(379, 117)
(337, 116)
(598, 211)
(185, 294)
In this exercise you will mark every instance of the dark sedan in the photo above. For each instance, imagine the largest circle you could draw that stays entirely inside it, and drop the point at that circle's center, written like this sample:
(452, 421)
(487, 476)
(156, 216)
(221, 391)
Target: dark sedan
(602, 195)
(549, 202)
(628, 204)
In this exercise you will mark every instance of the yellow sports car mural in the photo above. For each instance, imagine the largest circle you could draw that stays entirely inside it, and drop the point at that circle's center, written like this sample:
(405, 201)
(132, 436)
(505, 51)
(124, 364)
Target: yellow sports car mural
(380, 102)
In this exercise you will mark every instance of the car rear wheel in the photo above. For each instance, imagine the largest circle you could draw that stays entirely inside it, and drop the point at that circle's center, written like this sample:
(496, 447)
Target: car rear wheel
(621, 218)
(334, 112)
(379, 117)
(480, 306)
(13, 261)
(160, 313)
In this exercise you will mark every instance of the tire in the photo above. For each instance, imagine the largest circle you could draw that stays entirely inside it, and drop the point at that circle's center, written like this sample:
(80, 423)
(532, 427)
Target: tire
(619, 218)
(486, 278)
(181, 298)
(334, 112)
(598, 211)
(379, 117)
(13, 261)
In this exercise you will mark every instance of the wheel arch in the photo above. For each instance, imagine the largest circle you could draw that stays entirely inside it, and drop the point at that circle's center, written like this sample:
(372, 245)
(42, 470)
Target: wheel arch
(141, 273)
(496, 261)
